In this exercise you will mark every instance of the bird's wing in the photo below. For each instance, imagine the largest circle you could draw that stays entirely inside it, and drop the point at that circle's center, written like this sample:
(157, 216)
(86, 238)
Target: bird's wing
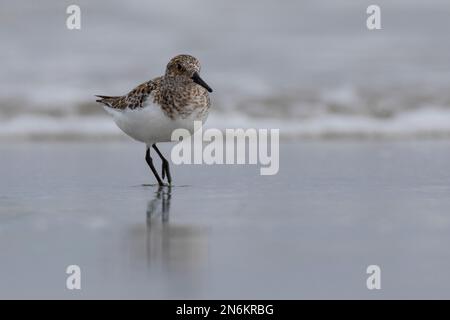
(134, 99)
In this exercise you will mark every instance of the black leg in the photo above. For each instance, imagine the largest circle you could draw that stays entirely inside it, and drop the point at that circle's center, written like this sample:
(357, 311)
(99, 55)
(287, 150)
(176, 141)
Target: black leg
(152, 167)
(165, 165)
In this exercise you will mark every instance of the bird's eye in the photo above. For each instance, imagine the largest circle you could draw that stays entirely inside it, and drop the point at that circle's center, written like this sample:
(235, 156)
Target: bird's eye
(179, 67)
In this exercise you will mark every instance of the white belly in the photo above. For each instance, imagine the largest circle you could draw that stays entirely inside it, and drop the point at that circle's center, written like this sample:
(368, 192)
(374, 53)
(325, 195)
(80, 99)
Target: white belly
(150, 124)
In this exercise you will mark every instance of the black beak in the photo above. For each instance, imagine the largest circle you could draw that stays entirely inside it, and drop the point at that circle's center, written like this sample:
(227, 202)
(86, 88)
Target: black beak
(196, 78)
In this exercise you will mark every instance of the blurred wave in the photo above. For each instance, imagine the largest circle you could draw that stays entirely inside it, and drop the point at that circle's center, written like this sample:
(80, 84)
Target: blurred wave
(309, 68)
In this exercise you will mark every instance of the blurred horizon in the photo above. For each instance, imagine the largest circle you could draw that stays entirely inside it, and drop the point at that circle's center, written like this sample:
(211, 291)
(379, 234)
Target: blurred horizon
(310, 68)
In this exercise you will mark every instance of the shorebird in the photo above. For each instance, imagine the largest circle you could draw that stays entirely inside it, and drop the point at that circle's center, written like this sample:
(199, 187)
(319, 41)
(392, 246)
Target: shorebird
(154, 109)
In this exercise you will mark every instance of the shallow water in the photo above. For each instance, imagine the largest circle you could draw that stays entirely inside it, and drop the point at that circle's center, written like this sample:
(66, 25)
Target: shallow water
(226, 231)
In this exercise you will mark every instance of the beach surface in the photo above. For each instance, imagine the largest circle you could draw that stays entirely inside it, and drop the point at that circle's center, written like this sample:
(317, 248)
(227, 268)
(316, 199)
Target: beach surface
(225, 231)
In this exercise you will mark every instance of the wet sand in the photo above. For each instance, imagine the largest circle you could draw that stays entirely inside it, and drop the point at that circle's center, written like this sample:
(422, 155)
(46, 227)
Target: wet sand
(225, 231)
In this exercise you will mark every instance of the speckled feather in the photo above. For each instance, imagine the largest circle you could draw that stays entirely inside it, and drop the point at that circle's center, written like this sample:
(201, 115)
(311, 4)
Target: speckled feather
(176, 94)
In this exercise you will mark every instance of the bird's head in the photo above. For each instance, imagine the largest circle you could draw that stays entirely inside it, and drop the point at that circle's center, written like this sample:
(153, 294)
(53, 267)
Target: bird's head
(186, 66)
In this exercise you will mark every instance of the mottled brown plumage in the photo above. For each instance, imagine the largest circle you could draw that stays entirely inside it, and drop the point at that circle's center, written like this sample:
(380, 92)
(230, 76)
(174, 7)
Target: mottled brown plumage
(176, 92)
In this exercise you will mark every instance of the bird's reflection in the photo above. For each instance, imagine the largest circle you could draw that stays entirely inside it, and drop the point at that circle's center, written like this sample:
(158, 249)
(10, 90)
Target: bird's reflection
(160, 205)
(172, 245)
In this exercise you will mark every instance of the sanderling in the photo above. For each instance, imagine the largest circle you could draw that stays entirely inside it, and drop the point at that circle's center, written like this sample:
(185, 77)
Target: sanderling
(154, 109)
